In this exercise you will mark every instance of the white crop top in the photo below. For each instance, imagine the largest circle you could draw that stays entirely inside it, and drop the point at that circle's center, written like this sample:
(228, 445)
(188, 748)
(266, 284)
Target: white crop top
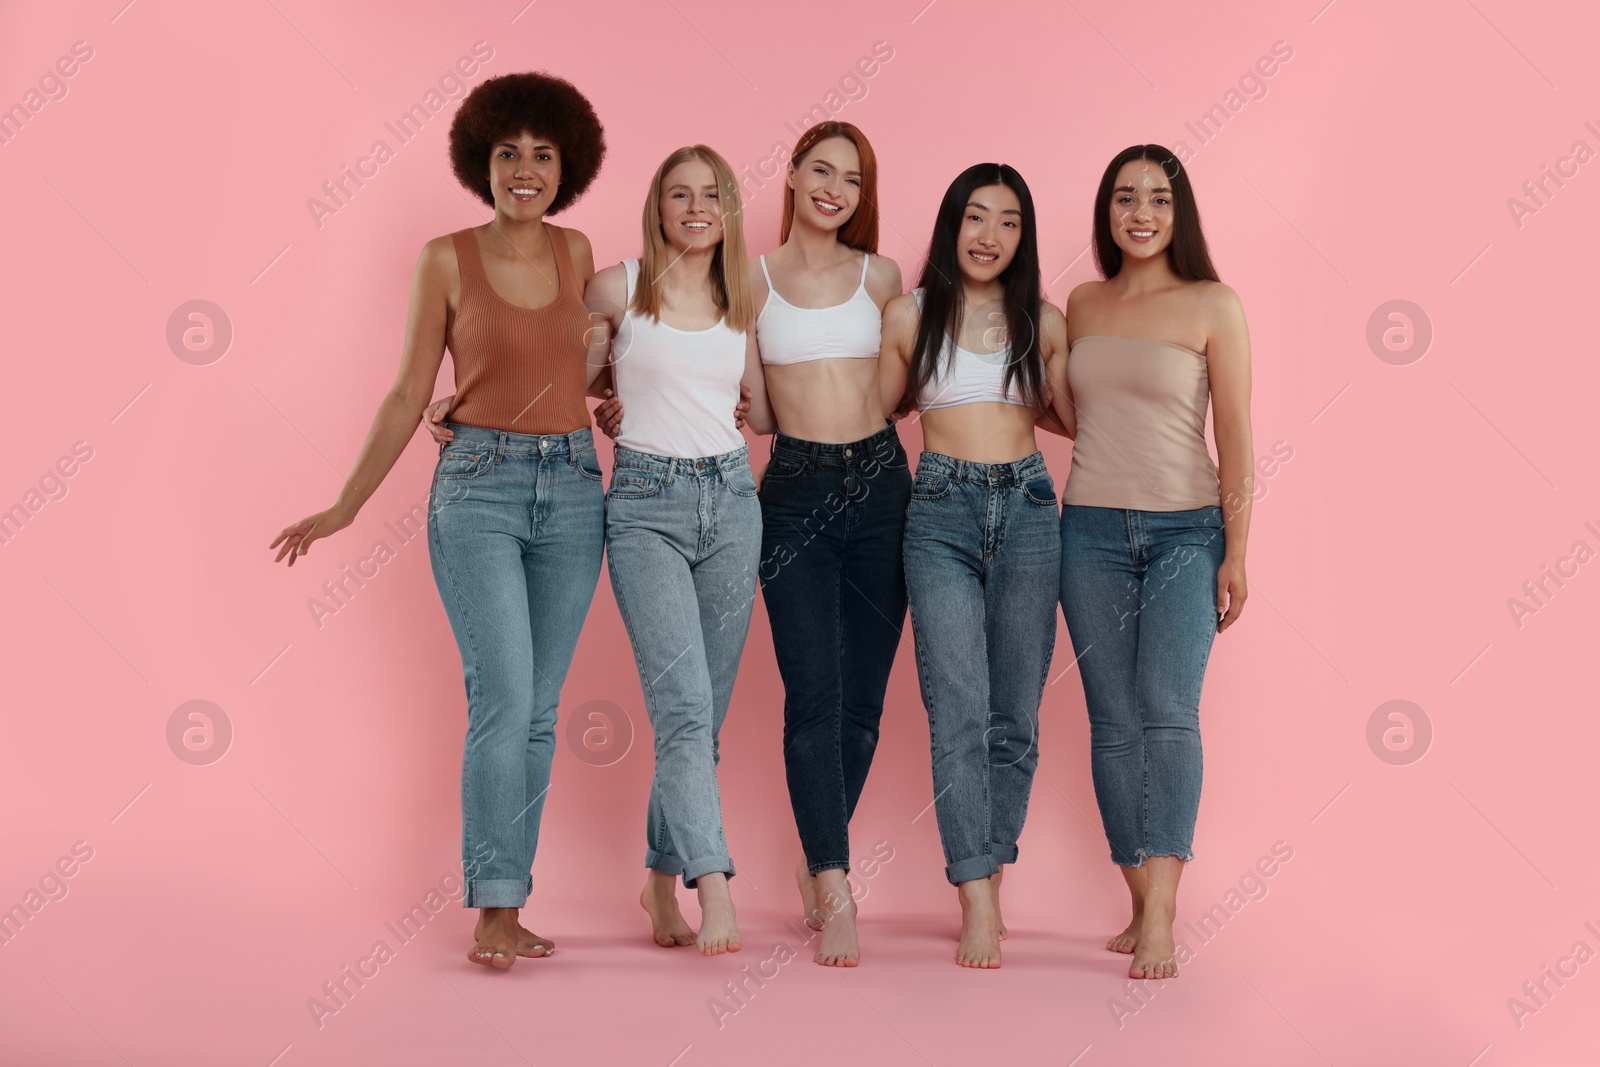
(976, 377)
(789, 334)
(678, 387)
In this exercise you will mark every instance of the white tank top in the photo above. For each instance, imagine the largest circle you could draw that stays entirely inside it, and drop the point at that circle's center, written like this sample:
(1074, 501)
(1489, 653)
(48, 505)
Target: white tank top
(789, 334)
(678, 387)
(975, 377)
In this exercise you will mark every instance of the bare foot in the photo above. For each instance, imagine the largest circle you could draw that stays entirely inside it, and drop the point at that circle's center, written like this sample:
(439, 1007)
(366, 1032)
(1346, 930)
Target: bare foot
(980, 925)
(1154, 887)
(839, 946)
(497, 938)
(810, 896)
(1129, 938)
(529, 943)
(719, 932)
(1153, 950)
(659, 899)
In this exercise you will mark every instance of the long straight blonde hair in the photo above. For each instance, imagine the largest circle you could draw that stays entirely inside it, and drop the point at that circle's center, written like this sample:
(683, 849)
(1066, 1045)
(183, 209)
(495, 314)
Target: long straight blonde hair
(730, 266)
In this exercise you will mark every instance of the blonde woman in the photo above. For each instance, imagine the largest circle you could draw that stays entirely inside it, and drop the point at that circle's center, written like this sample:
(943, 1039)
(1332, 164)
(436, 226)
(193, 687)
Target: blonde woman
(683, 524)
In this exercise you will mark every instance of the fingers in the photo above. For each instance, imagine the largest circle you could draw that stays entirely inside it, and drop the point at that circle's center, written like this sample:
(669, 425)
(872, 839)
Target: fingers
(1230, 602)
(291, 548)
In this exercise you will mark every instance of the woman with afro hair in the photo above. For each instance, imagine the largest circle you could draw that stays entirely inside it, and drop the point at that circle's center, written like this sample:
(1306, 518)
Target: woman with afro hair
(516, 520)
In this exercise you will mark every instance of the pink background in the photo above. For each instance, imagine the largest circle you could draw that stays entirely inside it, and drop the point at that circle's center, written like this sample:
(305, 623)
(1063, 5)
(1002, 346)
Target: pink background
(1420, 497)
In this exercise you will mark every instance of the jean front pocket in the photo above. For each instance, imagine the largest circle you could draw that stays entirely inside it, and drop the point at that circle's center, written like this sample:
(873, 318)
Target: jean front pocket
(783, 466)
(1040, 490)
(629, 483)
(930, 485)
(740, 481)
(588, 464)
(456, 464)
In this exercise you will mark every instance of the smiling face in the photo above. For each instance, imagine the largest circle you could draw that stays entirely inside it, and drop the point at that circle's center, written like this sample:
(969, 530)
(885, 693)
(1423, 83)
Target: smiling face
(827, 184)
(991, 228)
(691, 210)
(1142, 212)
(524, 173)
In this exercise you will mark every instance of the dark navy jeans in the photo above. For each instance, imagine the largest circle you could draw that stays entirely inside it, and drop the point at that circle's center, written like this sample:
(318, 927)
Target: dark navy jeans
(833, 516)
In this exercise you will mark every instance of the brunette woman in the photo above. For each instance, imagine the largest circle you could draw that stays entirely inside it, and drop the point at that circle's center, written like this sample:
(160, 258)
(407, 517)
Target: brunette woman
(507, 298)
(1153, 563)
(970, 348)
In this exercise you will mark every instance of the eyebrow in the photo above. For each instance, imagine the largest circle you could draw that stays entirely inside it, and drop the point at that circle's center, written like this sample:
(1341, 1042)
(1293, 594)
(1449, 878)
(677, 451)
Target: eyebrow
(830, 164)
(689, 188)
(986, 207)
(513, 144)
(1131, 189)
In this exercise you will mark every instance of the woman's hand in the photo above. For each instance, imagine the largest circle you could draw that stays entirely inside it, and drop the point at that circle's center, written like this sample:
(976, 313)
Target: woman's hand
(296, 539)
(741, 410)
(433, 419)
(608, 414)
(1230, 591)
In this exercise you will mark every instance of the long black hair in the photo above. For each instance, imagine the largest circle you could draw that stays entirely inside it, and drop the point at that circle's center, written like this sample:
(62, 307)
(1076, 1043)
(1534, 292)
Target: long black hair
(1186, 253)
(942, 304)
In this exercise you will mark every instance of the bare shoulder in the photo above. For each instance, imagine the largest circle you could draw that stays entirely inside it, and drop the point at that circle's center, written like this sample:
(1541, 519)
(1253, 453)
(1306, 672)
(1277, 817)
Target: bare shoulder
(577, 240)
(902, 312)
(1084, 295)
(1219, 304)
(437, 265)
(608, 286)
(1051, 317)
(578, 245)
(884, 281)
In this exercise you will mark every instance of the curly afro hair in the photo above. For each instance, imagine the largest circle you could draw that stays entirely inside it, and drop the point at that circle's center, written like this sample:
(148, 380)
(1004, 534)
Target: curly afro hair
(545, 106)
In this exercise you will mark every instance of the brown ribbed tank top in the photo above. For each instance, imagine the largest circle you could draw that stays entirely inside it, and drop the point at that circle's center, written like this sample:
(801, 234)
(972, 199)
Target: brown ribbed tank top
(518, 369)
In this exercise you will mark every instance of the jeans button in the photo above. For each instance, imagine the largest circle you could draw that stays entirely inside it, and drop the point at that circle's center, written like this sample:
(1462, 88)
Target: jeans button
(848, 453)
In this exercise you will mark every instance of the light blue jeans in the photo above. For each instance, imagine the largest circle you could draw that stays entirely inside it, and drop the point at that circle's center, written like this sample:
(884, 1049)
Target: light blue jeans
(683, 544)
(515, 529)
(983, 559)
(1139, 592)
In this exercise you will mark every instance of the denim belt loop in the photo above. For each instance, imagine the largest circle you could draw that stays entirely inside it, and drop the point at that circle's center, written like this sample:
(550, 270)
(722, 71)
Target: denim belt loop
(499, 445)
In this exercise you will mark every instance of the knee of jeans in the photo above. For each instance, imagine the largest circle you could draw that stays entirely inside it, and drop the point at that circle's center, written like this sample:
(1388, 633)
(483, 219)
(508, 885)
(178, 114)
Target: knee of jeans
(683, 729)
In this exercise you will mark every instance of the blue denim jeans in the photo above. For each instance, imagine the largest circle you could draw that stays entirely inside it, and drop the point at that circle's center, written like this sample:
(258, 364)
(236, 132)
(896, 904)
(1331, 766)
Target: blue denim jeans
(515, 529)
(983, 562)
(833, 519)
(683, 540)
(1139, 592)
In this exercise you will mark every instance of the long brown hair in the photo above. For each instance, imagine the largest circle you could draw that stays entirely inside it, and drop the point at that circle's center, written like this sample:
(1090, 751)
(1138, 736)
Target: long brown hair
(860, 232)
(730, 278)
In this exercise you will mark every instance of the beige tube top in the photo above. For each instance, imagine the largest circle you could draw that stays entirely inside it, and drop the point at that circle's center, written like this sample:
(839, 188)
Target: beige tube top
(1141, 443)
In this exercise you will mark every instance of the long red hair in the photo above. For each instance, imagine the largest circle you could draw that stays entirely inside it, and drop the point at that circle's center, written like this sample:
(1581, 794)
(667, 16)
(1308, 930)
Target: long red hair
(861, 231)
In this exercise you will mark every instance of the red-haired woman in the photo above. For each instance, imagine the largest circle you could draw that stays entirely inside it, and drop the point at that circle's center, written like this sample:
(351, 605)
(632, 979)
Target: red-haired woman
(833, 505)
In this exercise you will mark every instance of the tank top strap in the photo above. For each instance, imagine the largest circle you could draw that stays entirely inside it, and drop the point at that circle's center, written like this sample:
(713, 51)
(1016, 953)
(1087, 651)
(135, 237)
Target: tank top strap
(564, 267)
(468, 259)
(866, 259)
(630, 271)
(766, 274)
